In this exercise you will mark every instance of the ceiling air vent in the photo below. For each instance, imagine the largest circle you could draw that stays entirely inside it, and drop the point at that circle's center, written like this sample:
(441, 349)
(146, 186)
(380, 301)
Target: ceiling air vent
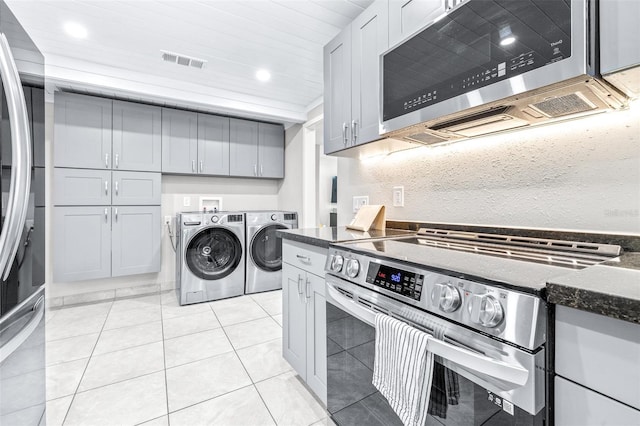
(187, 61)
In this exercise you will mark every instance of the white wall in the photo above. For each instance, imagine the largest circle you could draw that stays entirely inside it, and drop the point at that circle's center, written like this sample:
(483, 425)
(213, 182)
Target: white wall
(290, 188)
(578, 175)
(326, 167)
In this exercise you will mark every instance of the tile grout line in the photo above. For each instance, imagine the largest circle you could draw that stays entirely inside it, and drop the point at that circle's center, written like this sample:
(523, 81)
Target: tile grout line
(73, 398)
(164, 362)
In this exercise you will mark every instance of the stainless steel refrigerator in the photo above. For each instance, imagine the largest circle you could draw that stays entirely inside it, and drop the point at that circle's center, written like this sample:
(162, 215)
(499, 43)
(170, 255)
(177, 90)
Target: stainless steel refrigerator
(22, 244)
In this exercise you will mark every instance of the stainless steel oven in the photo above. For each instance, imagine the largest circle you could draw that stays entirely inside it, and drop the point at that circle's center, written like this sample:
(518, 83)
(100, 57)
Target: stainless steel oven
(477, 295)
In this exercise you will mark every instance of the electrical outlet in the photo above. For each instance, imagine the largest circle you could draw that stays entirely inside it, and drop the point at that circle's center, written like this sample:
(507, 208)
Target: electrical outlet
(360, 201)
(398, 196)
(186, 202)
(167, 220)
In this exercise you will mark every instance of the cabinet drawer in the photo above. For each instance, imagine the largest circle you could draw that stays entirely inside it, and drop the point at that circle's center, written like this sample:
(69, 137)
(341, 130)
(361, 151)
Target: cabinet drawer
(599, 352)
(136, 188)
(81, 187)
(304, 256)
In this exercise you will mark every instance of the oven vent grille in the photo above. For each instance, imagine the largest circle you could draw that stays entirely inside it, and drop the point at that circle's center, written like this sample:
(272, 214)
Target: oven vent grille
(572, 103)
(184, 60)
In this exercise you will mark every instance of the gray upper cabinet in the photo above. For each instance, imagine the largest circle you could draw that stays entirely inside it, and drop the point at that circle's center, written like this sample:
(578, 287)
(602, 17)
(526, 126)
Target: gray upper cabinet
(137, 141)
(82, 243)
(337, 92)
(213, 145)
(179, 141)
(82, 131)
(135, 240)
(352, 80)
(243, 150)
(408, 16)
(270, 150)
(81, 187)
(136, 188)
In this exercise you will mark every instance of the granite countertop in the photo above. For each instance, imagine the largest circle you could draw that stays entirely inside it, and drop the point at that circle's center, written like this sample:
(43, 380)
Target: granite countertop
(611, 288)
(322, 237)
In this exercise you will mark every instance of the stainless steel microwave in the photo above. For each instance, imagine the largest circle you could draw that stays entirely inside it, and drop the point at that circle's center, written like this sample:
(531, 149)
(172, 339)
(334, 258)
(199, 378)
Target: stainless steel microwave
(492, 65)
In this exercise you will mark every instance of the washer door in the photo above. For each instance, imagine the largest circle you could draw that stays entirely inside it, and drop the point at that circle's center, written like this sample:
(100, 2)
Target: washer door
(213, 253)
(266, 251)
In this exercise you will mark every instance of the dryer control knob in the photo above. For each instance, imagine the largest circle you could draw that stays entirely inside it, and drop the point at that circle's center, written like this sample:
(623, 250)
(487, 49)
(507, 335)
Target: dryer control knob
(274, 217)
(215, 219)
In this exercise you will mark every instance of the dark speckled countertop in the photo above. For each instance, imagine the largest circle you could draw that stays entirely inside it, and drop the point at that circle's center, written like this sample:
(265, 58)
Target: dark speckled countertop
(322, 237)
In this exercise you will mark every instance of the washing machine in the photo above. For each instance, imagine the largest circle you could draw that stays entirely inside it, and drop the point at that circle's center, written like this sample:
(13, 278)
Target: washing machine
(264, 250)
(210, 256)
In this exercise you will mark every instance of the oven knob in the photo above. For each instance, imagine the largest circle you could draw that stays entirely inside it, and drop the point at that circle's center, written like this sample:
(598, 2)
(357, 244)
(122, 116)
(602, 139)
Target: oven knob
(336, 263)
(447, 297)
(353, 267)
(214, 219)
(485, 310)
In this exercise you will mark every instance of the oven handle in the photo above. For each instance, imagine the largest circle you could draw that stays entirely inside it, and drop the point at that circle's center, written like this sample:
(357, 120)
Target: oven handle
(481, 364)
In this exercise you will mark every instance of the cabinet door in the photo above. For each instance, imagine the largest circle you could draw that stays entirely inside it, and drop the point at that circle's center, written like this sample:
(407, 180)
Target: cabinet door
(294, 331)
(179, 141)
(408, 16)
(337, 92)
(137, 141)
(271, 150)
(135, 240)
(213, 145)
(243, 151)
(81, 243)
(82, 131)
(81, 187)
(370, 39)
(136, 188)
(316, 336)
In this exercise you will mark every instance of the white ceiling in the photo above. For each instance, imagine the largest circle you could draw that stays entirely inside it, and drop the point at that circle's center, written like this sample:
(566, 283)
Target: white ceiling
(121, 55)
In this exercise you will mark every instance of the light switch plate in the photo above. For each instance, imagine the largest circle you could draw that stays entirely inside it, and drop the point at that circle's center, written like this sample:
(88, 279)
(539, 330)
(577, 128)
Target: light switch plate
(186, 202)
(398, 196)
(360, 201)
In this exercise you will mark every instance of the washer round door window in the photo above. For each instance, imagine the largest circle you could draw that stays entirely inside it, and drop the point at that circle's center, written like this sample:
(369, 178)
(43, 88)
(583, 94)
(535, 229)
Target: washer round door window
(266, 251)
(213, 253)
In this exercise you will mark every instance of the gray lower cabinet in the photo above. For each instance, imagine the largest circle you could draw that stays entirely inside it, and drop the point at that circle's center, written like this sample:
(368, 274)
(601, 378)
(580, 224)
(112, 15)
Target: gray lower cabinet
(256, 149)
(304, 314)
(82, 131)
(179, 141)
(136, 188)
(137, 137)
(213, 145)
(86, 187)
(82, 243)
(135, 240)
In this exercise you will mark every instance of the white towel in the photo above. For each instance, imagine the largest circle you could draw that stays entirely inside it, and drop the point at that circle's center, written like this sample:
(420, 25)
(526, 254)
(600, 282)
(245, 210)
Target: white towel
(403, 369)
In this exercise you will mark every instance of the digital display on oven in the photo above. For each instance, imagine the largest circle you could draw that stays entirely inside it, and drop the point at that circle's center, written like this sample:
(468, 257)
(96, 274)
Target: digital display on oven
(396, 280)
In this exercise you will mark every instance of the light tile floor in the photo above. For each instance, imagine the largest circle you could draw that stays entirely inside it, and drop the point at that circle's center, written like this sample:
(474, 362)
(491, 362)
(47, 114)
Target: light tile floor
(150, 361)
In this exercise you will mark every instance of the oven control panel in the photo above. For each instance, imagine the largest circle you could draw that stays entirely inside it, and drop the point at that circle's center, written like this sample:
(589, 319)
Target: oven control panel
(397, 280)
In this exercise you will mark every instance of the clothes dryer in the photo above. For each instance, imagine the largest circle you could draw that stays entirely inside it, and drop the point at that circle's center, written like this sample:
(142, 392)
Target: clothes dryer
(210, 256)
(264, 258)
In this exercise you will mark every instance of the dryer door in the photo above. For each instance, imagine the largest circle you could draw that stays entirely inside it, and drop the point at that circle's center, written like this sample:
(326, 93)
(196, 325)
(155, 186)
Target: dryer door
(266, 250)
(213, 253)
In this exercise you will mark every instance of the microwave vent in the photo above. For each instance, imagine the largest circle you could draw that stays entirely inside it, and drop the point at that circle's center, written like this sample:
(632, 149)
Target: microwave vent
(425, 138)
(572, 103)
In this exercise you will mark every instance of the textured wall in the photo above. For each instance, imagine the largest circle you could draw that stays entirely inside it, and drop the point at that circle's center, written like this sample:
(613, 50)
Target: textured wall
(581, 175)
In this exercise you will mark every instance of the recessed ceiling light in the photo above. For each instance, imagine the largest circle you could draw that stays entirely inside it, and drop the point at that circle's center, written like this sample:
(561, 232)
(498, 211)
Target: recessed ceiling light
(75, 30)
(507, 41)
(263, 75)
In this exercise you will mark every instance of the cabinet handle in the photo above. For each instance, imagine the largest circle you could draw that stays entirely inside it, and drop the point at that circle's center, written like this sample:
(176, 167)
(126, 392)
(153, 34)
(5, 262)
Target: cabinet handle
(106, 187)
(307, 290)
(302, 258)
(354, 131)
(345, 127)
(116, 213)
(193, 166)
(261, 170)
(299, 285)
(116, 160)
(106, 160)
(255, 170)
(106, 215)
(116, 187)
(201, 166)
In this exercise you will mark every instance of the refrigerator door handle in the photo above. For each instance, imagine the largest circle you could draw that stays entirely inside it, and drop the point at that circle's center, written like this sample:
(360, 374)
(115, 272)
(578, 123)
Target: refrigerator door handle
(27, 330)
(21, 159)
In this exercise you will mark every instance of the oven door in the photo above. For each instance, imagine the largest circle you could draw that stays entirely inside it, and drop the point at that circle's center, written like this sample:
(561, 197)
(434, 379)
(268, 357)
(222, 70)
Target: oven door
(490, 383)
